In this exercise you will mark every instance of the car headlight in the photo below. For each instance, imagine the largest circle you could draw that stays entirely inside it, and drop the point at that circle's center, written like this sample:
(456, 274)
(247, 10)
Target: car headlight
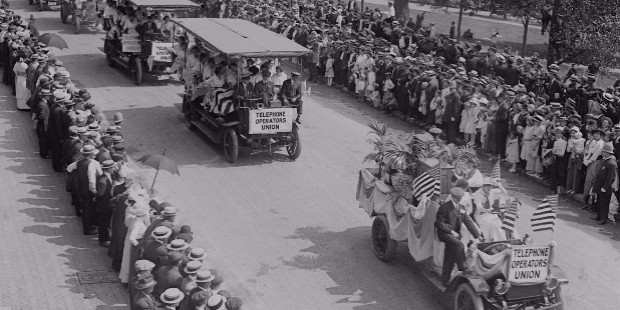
(501, 287)
(552, 283)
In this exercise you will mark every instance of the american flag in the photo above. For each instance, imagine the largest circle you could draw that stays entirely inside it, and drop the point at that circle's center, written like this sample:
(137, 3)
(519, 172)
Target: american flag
(496, 173)
(221, 101)
(544, 216)
(510, 216)
(427, 183)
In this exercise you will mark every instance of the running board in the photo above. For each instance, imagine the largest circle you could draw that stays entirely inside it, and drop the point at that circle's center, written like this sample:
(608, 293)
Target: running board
(121, 62)
(204, 128)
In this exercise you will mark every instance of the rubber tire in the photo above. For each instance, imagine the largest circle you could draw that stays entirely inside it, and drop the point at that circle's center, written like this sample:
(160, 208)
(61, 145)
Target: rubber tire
(559, 298)
(232, 154)
(78, 22)
(294, 154)
(137, 72)
(476, 301)
(380, 226)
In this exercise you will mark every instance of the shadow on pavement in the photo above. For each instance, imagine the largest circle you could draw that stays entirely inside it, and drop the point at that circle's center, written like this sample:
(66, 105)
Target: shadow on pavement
(52, 216)
(359, 275)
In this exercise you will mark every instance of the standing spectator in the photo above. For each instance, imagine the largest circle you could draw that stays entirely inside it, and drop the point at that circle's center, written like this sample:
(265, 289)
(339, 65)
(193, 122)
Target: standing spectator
(452, 31)
(451, 113)
(603, 181)
(576, 148)
(592, 160)
(88, 169)
(104, 194)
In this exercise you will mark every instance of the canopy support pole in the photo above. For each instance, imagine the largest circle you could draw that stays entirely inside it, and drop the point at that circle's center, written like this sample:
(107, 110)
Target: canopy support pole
(156, 174)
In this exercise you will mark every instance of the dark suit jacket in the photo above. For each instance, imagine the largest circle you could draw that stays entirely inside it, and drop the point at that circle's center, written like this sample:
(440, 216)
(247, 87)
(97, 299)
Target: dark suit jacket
(54, 128)
(246, 91)
(168, 277)
(289, 91)
(154, 251)
(450, 219)
(452, 108)
(143, 302)
(104, 194)
(605, 175)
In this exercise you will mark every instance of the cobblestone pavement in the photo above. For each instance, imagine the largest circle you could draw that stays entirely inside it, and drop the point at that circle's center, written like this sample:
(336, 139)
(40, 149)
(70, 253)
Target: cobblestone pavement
(285, 235)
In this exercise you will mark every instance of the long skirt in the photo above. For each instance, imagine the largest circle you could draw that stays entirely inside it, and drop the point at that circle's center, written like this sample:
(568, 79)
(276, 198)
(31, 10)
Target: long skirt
(21, 92)
(117, 240)
(131, 254)
(489, 145)
(574, 180)
(590, 174)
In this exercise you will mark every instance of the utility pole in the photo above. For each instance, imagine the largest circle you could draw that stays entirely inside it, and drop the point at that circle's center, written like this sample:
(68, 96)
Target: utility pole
(458, 31)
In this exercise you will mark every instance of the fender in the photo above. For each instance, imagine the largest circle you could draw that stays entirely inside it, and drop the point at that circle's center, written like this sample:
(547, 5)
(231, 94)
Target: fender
(559, 274)
(478, 283)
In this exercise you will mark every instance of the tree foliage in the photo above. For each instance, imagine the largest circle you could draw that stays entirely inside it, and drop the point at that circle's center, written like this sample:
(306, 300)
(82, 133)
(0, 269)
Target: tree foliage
(588, 32)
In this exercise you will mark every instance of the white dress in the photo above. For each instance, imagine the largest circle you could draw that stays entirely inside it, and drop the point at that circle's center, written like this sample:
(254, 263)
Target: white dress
(21, 91)
(135, 230)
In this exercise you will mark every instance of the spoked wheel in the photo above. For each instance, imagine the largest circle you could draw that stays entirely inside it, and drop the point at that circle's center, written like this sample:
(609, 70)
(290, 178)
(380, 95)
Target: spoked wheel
(231, 145)
(294, 149)
(384, 247)
(467, 299)
(137, 73)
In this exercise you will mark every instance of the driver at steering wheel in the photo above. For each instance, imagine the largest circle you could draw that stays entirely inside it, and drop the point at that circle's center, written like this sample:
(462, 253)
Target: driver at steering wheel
(244, 91)
(290, 93)
(450, 216)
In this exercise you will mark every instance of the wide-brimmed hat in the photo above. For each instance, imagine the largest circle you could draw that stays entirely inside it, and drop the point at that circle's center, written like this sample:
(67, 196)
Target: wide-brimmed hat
(117, 139)
(88, 149)
(177, 245)
(197, 254)
(216, 301)
(204, 276)
(146, 282)
(169, 211)
(608, 148)
(172, 296)
(118, 117)
(107, 164)
(111, 129)
(161, 232)
(192, 267)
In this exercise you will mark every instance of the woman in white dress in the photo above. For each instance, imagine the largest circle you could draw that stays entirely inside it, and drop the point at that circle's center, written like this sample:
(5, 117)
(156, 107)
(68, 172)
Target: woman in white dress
(136, 220)
(21, 91)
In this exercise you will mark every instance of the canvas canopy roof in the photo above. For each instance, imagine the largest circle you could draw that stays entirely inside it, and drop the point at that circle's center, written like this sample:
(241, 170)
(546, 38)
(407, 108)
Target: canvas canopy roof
(238, 37)
(164, 3)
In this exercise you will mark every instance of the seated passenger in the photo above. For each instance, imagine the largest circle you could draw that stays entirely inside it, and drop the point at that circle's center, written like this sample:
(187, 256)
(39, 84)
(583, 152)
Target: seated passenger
(265, 89)
(244, 90)
(290, 93)
(149, 29)
(485, 202)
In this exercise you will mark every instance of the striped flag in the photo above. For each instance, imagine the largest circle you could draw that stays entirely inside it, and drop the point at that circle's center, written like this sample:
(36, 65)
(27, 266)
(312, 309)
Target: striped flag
(510, 216)
(425, 185)
(544, 216)
(496, 173)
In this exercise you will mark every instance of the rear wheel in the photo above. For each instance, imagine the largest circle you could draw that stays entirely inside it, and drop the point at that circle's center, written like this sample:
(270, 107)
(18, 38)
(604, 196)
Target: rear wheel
(384, 247)
(294, 149)
(231, 145)
(467, 299)
(137, 73)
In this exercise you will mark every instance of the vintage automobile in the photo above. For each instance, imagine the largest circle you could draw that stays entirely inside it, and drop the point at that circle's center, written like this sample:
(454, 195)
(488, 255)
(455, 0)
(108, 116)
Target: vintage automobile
(150, 52)
(505, 274)
(42, 4)
(84, 15)
(235, 123)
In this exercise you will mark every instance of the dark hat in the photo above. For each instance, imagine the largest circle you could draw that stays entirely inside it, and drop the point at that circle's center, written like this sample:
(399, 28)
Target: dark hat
(266, 73)
(234, 303)
(200, 297)
(608, 148)
(175, 256)
(597, 130)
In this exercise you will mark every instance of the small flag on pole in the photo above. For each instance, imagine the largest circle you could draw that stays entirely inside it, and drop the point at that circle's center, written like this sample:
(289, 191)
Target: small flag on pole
(510, 216)
(544, 216)
(496, 173)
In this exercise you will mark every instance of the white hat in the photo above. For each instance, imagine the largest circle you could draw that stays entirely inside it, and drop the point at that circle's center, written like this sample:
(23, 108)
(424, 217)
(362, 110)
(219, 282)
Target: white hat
(161, 232)
(171, 296)
(216, 301)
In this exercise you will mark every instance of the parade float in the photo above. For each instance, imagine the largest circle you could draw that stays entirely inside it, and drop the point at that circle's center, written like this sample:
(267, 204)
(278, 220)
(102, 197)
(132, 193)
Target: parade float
(411, 178)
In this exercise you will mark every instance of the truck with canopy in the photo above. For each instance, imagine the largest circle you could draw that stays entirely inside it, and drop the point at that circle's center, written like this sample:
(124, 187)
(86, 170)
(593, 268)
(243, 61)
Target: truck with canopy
(147, 49)
(253, 122)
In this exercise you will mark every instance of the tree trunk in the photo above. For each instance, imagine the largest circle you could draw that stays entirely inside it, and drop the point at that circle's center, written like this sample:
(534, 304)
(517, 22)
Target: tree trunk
(526, 25)
(554, 29)
(458, 30)
(401, 7)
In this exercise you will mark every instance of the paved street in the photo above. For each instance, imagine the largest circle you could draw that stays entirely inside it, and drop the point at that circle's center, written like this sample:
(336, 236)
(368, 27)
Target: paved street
(284, 234)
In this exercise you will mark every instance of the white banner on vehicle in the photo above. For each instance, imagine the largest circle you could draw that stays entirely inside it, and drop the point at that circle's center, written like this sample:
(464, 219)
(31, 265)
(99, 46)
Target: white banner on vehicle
(265, 121)
(160, 51)
(529, 264)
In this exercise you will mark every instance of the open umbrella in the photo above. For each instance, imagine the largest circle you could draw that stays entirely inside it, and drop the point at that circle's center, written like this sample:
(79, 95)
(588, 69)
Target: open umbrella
(159, 162)
(53, 40)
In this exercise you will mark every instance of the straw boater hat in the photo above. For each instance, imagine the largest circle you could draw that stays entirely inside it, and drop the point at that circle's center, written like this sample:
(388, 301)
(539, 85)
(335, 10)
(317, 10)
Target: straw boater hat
(177, 245)
(88, 150)
(192, 267)
(172, 296)
(161, 232)
(204, 276)
(216, 302)
(197, 254)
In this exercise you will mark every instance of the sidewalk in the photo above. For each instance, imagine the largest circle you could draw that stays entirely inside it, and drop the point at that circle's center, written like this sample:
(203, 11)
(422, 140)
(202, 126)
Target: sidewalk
(45, 261)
